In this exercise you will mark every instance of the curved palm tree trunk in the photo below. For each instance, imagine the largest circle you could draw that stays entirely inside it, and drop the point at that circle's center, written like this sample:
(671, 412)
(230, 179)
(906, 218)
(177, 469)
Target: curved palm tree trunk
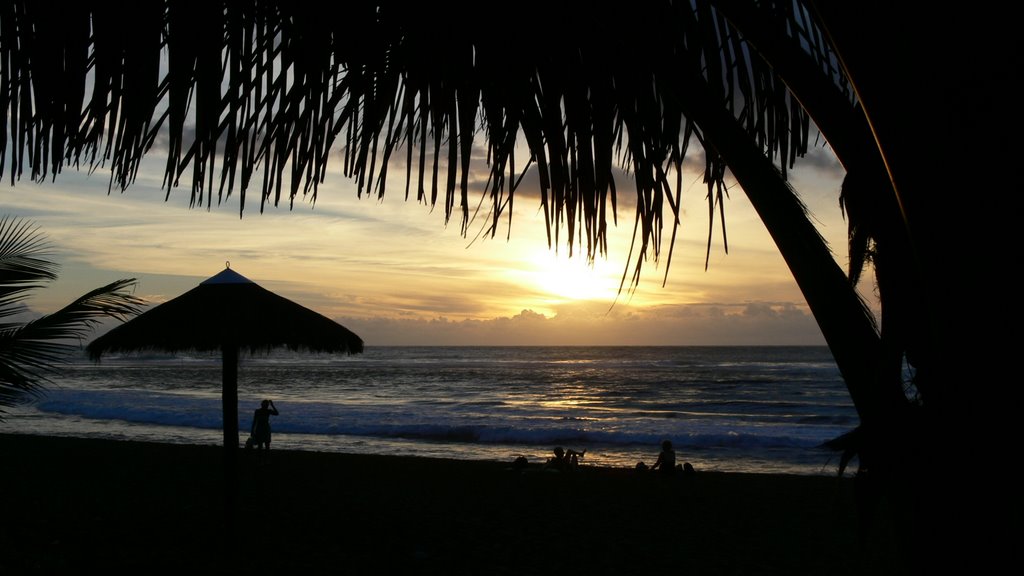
(886, 433)
(868, 197)
(842, 316)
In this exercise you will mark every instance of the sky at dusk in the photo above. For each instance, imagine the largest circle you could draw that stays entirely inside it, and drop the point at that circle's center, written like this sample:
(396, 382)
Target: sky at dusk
(392, 270)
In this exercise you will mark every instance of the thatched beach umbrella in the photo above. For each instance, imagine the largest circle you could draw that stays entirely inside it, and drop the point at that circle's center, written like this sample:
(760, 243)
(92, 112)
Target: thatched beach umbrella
(230, 313)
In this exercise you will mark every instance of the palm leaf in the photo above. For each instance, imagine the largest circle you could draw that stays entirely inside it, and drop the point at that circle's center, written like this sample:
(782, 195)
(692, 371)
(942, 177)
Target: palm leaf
(31, 353)
(23, 263)
(261, 91)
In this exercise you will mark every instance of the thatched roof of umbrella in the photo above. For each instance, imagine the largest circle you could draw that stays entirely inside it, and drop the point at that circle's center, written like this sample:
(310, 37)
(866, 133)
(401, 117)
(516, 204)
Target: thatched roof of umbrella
(228, 310)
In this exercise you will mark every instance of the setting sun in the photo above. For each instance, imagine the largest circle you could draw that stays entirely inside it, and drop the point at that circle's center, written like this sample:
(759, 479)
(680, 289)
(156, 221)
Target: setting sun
(568, 279)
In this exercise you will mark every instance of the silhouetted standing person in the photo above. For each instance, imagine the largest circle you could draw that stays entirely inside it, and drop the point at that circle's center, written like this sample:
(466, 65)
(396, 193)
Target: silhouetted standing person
(261, 424)
(666, 459)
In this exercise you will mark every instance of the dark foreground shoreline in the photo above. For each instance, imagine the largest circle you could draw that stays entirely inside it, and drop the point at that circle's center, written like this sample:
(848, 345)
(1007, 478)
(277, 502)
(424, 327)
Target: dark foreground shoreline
(75, 505)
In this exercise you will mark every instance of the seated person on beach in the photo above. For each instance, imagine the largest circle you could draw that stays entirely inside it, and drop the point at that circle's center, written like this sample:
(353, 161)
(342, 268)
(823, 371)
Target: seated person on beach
(564, 460)
(666, 462)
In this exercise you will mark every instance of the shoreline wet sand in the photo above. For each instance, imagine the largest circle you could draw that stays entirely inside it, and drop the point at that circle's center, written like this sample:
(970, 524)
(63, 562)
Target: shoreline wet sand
(79, 505)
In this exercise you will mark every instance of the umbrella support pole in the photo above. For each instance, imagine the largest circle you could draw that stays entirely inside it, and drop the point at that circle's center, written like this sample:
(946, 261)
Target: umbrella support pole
(229, 395)
(229, 399)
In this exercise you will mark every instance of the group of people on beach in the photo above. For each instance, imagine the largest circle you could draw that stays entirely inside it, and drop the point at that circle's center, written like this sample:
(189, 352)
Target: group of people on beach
(564, 459)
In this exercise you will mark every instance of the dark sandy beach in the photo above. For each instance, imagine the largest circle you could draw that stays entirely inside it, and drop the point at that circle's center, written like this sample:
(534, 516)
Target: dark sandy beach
(81, 506)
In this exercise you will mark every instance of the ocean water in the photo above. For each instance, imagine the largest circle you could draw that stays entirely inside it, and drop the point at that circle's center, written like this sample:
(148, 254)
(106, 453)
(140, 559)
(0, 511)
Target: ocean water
(736, 409)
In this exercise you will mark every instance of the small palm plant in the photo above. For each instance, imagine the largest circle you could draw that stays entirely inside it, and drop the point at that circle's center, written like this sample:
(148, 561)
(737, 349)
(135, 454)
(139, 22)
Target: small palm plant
(31, 352)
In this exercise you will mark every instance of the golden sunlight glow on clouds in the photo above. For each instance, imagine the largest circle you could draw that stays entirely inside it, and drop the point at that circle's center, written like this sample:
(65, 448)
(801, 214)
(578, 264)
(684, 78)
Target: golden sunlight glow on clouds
(394, 272)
